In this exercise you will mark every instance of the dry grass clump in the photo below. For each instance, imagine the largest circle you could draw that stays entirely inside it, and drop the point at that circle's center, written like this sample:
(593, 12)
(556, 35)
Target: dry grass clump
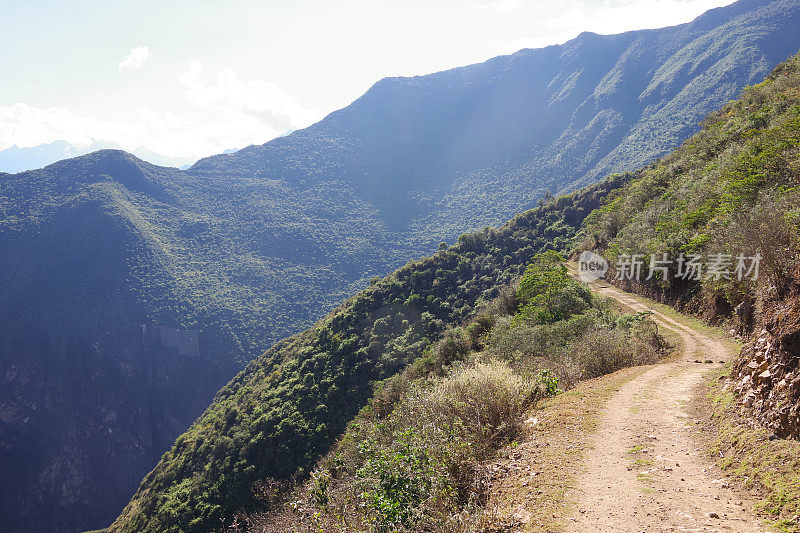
(483, 403)
(601, 352)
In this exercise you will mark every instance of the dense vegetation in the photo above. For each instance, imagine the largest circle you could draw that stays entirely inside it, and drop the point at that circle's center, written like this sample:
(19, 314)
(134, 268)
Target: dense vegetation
(732, 189)
(413, 460)
(285, 409)
(718, 190)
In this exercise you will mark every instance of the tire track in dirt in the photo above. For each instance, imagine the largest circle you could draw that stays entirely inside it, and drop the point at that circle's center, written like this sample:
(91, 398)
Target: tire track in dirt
(643, 471)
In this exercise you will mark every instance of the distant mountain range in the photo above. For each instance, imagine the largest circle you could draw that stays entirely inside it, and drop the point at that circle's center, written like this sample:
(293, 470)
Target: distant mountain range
(17, 159)
(129, 292)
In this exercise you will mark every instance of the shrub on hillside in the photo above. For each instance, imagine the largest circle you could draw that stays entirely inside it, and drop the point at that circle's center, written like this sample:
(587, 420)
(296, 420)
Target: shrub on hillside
(546, 292)
(482, 403)
(412, 460)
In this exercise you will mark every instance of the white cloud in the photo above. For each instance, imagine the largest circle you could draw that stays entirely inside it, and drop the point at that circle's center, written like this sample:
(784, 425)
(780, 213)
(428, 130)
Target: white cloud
(235, 113)
(253, 99)
(27, 126)
(501, 7)
(136, 58)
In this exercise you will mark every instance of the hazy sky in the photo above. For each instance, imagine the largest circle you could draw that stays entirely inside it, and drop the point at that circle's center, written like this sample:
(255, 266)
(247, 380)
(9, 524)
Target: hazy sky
(191, 78)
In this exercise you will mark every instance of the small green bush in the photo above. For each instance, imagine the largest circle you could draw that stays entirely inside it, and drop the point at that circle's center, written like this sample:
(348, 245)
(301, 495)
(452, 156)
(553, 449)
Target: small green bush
(546, 292)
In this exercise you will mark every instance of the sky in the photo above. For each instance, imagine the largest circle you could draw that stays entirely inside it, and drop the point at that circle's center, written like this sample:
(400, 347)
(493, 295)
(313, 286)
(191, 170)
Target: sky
(188, 79)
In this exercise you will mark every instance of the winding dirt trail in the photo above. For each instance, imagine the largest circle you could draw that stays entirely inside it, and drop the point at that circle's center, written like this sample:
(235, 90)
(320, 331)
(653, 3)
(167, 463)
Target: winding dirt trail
(642, 470)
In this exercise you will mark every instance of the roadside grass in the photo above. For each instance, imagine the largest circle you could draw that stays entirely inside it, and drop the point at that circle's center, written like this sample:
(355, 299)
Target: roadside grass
(677, 348)
(687, 320)
(716, 332)
(644, 478)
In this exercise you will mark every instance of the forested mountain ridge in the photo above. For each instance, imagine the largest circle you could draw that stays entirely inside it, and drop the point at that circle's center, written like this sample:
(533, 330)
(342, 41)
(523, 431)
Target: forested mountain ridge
(430, 150)
(97, 374)
(105, 256)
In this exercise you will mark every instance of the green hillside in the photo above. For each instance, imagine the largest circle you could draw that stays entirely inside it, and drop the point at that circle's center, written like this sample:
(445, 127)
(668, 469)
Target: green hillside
(288, 406)
(732, 189)
(414, 458)
(133, 277)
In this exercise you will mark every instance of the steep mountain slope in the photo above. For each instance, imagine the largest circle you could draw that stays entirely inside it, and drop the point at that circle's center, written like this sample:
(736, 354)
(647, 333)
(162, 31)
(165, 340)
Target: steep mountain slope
(721, 192)
(287, 406)
(130, 294)
(473, 146)
(137, 277)
(96, 380)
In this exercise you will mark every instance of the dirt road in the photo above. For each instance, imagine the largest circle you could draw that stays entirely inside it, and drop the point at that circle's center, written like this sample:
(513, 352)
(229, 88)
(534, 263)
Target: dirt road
(642, 470)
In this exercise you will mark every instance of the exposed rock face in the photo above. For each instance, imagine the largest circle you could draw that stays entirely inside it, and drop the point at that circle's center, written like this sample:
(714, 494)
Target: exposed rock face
(767, 374)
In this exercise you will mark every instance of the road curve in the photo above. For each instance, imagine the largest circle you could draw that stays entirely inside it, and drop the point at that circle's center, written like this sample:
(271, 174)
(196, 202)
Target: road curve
(643, 471)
